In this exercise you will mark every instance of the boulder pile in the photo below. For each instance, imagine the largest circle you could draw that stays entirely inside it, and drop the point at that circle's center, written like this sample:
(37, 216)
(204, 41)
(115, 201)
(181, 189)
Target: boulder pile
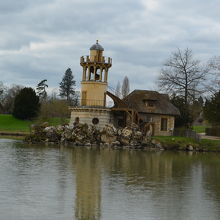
(89, 135)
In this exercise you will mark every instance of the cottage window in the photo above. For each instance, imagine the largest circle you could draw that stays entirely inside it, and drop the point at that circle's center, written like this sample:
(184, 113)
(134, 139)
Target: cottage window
(150, 103)
(163, 124)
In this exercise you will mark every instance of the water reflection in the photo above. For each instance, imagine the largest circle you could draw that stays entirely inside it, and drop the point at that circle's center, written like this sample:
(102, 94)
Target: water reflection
(88, 184)
(163, 184)
(104, 184)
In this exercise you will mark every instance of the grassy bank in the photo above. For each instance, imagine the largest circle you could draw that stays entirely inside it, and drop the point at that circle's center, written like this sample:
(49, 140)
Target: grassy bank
(10, 124)
(199, 128)
(180, 143)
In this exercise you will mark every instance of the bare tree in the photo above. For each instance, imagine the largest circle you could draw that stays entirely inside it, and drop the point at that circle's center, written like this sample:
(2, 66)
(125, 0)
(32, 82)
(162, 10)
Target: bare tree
(125, 89)
(213, 85)
(183, 75)
(9, 97)
(2, 89)
(118, 90)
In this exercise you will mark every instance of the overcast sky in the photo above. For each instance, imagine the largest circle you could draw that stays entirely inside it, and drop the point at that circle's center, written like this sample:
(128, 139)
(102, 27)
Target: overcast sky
(40, 39)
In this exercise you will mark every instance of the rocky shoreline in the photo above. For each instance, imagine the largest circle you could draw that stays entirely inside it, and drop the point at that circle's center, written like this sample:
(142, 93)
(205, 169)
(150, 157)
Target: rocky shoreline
(89, 135)
(124, 138)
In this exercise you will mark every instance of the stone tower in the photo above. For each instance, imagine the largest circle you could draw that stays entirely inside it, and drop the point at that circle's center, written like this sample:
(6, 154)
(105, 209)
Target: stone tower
(95, 77)
(94, 84)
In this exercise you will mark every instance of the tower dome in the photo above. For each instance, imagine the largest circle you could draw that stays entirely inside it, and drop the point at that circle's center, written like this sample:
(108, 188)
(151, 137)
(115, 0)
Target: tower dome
(97, 46)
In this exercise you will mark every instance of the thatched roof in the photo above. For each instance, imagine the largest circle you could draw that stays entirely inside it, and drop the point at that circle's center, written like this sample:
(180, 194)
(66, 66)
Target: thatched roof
(159, 103)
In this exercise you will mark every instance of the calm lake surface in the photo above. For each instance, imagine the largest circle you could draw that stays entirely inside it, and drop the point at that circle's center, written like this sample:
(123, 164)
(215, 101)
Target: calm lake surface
(51, 183)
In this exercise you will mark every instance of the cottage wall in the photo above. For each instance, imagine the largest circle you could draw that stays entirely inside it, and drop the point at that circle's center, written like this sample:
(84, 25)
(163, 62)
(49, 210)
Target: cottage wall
(155, 119)
(157, 125)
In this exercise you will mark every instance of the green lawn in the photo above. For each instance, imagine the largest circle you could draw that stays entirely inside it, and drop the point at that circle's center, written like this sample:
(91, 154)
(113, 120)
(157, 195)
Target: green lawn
(199, 128)
(9, 123)
(58, 121)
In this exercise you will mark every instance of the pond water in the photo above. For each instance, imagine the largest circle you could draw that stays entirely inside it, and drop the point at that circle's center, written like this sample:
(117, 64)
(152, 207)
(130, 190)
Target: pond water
(51, 183)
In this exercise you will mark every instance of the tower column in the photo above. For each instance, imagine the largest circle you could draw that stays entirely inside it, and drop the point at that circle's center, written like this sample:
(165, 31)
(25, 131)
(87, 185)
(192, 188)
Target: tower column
(106, 75)
(100, 77)
(89, 73)
(94, 72)
(84, 73)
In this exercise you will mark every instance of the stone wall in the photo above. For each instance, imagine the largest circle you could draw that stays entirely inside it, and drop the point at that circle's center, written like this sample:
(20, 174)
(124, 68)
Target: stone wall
(86, 116)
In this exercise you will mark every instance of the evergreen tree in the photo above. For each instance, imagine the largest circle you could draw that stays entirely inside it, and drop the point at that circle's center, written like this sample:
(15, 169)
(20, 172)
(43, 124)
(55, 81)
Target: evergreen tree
(211, 109)
(41, 89)
(185, 119)
(67, 85)
(125, 89)
(26, 104)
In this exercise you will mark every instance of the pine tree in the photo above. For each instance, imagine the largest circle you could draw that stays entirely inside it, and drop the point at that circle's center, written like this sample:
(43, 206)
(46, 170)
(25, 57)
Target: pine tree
(67, 85)
(41, 89)
(125, 89)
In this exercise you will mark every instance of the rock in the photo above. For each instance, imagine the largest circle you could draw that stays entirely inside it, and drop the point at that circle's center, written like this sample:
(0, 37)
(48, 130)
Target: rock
(108, 134)
(116, 143)
(84, 135)
(134, 143)
(105, 138)
(145, 141)
(109, 129)
(87, 145)
(119, 132)
(49, 129)
(67, 135)
(126, 132)
(189, 148)
(157, 144)
(124, 141)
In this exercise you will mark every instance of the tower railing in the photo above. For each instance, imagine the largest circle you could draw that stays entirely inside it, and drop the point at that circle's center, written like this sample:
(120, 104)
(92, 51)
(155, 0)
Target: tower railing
(103, 59)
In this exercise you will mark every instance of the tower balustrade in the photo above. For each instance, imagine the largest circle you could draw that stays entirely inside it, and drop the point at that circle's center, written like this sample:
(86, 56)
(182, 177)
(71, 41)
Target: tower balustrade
(104, 60)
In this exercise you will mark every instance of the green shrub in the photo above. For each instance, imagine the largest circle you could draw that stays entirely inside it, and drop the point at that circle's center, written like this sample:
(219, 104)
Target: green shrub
(26, 105)
(55, 109)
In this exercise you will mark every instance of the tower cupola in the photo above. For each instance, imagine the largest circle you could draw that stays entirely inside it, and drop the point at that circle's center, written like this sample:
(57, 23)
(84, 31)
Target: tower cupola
(97, 46)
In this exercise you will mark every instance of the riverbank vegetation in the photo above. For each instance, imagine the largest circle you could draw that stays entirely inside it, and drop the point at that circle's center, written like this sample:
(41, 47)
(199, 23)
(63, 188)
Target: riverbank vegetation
(184, 143)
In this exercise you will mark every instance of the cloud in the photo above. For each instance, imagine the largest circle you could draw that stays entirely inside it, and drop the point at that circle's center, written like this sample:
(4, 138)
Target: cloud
(42, 38)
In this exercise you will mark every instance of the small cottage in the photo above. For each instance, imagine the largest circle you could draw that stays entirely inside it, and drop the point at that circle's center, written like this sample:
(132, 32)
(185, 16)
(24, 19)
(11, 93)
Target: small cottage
(155, 109)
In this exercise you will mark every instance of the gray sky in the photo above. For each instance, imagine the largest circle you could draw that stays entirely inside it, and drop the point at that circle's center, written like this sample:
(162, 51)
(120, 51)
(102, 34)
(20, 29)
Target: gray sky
(40, 39)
